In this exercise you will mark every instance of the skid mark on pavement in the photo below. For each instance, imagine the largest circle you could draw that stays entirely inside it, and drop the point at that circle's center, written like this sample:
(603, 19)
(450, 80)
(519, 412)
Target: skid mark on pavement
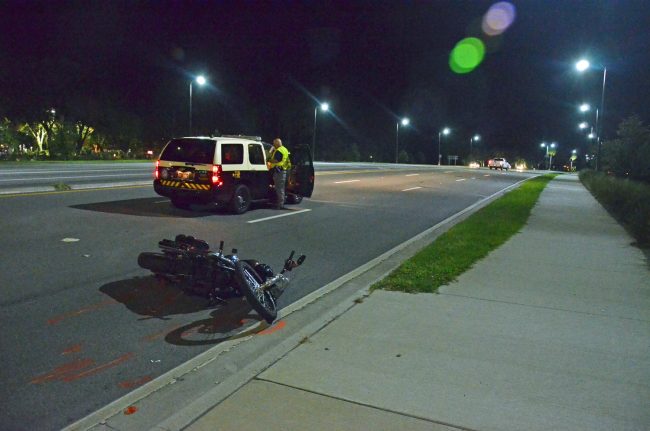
(78, 369)
(93, 307)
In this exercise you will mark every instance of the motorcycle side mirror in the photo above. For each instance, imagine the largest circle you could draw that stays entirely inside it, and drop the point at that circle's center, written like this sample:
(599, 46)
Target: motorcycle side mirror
(290, 264)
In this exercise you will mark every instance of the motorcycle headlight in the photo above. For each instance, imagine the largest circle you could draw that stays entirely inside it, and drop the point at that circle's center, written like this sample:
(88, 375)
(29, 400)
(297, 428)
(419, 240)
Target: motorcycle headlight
(264, 271)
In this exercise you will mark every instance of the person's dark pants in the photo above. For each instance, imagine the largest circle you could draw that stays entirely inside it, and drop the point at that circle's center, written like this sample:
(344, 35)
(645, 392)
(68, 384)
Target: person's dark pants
(280, 181)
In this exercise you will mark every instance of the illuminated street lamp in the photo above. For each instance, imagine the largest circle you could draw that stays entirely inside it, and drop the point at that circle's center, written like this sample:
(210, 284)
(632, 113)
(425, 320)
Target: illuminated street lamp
(323, 107)
(201, 81)
(583, 125)
(471, 141)
(405, 122)
(582, 66)
(585, 107)
(549, 155)
(572, 158)
(445, 132)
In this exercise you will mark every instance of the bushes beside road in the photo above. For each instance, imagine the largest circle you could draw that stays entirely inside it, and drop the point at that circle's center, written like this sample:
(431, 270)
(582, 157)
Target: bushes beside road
(627, 200)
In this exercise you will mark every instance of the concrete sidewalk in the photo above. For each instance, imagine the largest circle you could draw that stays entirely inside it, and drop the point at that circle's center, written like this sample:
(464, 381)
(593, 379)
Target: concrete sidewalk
(550, 331)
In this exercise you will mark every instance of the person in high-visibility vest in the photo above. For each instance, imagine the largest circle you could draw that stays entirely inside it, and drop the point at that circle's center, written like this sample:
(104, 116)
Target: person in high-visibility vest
(279, 164)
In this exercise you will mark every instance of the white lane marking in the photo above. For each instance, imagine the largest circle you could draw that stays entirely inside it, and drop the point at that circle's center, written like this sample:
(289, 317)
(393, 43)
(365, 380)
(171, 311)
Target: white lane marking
(161, 202)
(70, 239)
(486, 175)
(348, 181)
(412, 188)
(278, 216)
(449, 172)
(460, 179)
(412, 175)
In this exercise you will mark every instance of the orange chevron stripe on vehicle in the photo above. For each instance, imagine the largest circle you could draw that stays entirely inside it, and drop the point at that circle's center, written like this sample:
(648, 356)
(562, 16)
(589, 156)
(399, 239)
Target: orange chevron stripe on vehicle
(180, 184)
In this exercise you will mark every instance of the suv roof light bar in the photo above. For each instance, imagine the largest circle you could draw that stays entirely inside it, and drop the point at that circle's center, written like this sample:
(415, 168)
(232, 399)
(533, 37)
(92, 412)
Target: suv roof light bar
(254, 138)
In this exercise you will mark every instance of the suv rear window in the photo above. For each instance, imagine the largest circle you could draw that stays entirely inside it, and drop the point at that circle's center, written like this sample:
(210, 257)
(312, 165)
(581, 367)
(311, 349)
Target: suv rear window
(255, 154)
(232, 154)
(189, 150)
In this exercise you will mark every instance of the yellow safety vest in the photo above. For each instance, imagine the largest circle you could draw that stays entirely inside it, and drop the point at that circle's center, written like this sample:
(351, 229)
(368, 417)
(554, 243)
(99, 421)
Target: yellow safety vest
(285, 163)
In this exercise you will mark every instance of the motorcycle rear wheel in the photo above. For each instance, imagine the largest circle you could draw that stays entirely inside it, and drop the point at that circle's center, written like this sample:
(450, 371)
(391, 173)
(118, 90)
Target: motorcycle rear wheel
(249, 282)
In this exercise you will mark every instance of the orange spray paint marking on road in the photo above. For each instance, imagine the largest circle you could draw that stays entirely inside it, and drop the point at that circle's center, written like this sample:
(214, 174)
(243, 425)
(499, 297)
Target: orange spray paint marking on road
(129, 384)
(58, 319)
(78, 369)
(100, 368)
(279, 325)
(59, 372)
(130, 410)
(72, 349)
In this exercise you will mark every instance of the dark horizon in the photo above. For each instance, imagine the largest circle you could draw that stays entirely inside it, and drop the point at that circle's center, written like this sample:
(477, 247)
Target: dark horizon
(268, 63)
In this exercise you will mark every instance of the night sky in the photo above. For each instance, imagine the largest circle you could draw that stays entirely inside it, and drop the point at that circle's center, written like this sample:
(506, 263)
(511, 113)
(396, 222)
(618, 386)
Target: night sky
(269, 63)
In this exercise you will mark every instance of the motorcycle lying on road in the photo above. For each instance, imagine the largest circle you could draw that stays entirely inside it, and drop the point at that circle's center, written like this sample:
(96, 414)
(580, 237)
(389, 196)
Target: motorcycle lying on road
(198, 270)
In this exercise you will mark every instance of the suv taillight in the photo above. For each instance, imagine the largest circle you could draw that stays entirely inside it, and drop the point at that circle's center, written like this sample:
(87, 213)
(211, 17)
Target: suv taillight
(156, 174)
(216, 175)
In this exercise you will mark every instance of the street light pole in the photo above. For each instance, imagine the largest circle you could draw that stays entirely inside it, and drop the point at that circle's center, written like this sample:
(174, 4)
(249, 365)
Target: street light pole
(543, 144)
(444, 131)
(396, 140)
(201, 81)
(573, 157)
(550, 159)
(599, 126)
(405, 122)
(583, 65)
(324, 107)
(471, 141)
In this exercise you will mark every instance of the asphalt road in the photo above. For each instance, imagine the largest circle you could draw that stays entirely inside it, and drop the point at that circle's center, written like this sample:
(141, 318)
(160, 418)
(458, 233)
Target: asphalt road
(82, 324)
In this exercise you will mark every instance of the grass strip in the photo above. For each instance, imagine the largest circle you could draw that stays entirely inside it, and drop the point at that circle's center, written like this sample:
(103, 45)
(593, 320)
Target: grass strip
(30, 162)
(455, 251)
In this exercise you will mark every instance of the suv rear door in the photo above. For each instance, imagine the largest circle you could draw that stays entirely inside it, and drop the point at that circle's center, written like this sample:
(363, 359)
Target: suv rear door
(187, 163)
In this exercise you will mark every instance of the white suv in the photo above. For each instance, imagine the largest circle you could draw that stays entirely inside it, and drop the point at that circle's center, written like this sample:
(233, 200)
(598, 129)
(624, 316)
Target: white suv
(226, 170)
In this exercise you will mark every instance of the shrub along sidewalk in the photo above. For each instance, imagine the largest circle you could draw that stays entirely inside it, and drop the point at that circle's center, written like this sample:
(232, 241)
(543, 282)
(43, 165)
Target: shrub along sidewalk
(455, 251)
(628, 201)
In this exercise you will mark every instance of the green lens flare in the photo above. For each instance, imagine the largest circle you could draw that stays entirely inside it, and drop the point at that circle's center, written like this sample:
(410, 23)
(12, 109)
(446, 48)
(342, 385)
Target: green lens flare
(467, 55)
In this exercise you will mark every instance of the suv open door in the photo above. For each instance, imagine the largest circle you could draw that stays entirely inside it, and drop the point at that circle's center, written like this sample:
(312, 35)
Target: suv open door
(301, 177)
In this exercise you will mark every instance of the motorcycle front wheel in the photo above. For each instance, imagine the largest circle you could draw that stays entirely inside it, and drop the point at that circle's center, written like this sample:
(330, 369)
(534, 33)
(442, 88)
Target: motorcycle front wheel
(249, 283)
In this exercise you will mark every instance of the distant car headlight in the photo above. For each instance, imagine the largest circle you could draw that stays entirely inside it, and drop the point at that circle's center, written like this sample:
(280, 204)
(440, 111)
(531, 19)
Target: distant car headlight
(473, 165)
(520, 166)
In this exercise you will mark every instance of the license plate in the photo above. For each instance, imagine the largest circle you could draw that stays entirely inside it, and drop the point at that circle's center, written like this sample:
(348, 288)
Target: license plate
(185, 175)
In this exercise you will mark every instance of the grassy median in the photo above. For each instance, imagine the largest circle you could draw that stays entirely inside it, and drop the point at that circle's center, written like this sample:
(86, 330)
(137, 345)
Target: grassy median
(455, 251)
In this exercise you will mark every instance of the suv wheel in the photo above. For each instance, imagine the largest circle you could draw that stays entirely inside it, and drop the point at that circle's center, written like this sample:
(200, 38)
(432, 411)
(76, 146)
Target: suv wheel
(241, 200)
(293, 198)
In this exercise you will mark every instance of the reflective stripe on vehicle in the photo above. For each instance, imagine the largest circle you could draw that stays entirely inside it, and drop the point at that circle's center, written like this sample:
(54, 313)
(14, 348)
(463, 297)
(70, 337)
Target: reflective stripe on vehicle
(183, 185)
